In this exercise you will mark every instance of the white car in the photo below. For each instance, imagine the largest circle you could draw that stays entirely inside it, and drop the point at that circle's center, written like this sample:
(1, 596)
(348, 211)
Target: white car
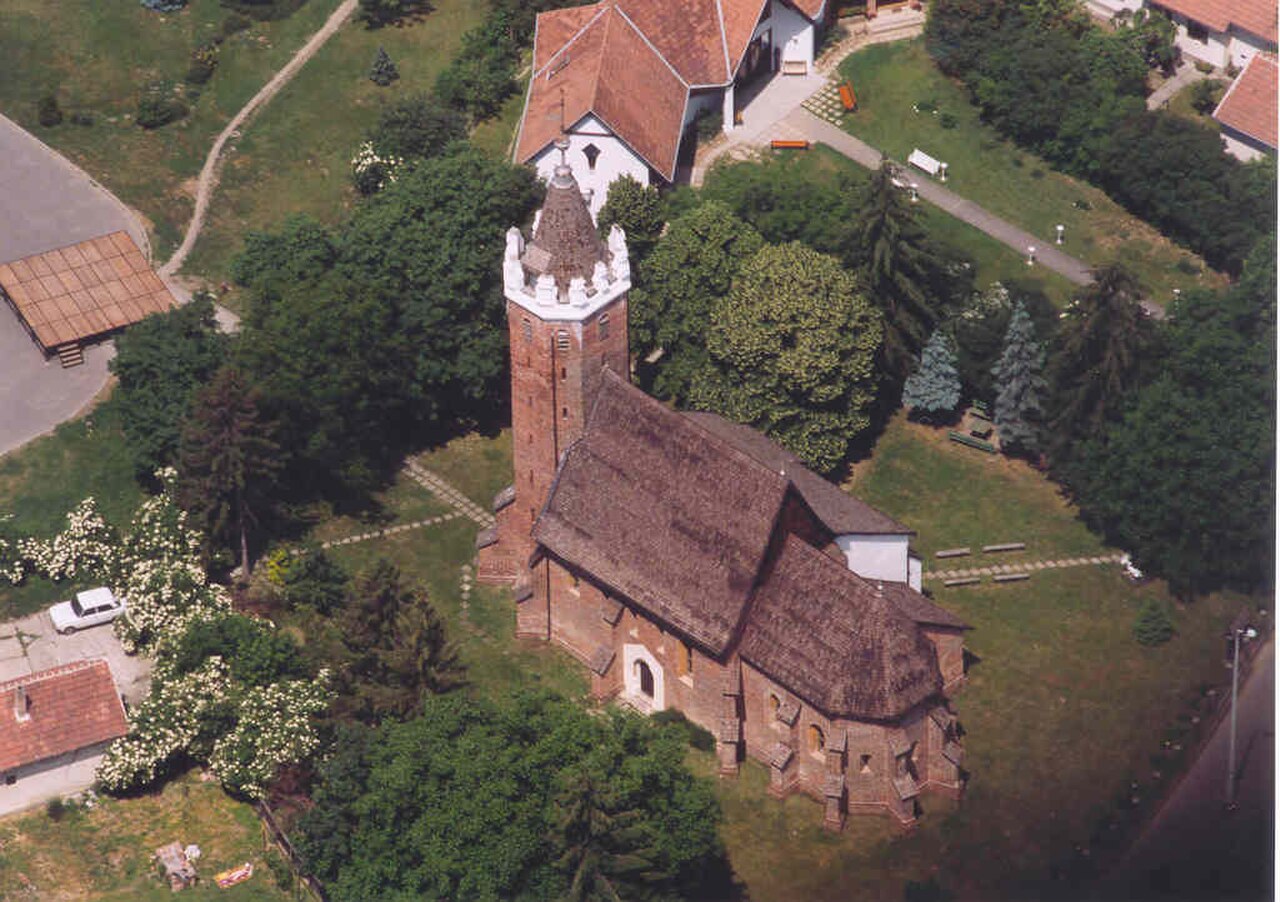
(87, 609)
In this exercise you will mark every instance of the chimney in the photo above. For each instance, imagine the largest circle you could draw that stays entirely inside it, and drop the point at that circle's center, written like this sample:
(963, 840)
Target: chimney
(21, 703)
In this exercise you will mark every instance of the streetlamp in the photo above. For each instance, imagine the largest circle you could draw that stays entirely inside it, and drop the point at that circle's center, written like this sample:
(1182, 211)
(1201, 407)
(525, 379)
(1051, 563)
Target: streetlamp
(1236, 634)
(915, 192)
(1060, 229)
(1031, 254)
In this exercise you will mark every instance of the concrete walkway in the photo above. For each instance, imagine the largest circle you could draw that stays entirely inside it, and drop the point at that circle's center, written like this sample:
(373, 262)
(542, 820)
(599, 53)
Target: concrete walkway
(1186, 74)
(800, 123)
(1023, 567)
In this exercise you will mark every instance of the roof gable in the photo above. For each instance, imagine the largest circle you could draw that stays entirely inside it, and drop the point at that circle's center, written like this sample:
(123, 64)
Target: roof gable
(661, 512)
(836, 640)
(70, 708)
(1250, 106)
(1257, 17)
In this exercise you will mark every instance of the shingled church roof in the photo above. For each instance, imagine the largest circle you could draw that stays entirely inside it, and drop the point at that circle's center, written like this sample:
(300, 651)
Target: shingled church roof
(565, 244)
(836, 639)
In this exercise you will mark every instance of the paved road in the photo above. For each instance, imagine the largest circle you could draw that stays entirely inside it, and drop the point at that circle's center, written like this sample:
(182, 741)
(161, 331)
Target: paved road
(1194, 849)
(1047, 254)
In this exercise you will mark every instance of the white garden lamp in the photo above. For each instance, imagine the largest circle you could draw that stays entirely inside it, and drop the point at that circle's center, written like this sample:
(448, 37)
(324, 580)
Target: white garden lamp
(915, 192)
(1061, 228)
(1031, 254)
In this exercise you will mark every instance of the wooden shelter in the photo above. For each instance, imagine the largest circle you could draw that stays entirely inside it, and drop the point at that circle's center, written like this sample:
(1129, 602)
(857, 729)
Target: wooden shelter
(70, 295)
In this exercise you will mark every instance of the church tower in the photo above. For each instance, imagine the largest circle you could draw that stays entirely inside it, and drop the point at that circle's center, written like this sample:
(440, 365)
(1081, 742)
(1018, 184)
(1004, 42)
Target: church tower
(566, 294)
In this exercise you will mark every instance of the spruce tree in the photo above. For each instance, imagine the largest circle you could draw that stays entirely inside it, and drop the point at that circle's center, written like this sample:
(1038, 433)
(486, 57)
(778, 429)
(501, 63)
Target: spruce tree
(1153, 626)
(383, 71)
(1020, 385)
(934, 387)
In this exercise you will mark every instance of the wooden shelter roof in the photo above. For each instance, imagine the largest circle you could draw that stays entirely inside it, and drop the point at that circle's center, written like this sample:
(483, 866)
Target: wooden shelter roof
(83, 290)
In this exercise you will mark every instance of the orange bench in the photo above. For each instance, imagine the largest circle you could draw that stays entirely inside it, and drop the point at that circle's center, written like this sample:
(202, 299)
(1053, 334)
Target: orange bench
(847, 97)
(780, 144)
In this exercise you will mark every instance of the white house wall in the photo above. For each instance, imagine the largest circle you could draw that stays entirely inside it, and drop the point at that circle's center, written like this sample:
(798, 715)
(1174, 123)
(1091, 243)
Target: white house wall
(614, 161)
(792, 32)
(876, 557)
(1240, 149)
(1213, 50)
(1243, 47)
(35, 784)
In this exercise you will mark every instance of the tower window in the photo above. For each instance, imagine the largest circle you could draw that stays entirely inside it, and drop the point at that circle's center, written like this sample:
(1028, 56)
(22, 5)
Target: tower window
(604, 326)
(564, 413)
(562, 340)
(527, 328)
(564, 374)
(817, 741)
(592, 153)
(684, 663)
(774, 705)
(864, 766)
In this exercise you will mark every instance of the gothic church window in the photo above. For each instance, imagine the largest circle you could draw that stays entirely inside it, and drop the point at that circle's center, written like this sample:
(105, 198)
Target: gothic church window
(592, 153)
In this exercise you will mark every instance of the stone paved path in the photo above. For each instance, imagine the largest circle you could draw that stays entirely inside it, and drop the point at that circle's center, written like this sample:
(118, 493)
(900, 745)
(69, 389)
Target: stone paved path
(1023, 567)
(1187, 74)
(447, 493)
(392, 530)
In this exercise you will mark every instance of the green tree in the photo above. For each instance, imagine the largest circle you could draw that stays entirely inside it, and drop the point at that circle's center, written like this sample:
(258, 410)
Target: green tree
(600, 849)
(315, 579)
(934, 388)
(303, 249)
(1020, 386)
(1104, 345)
(902, 270)
(227, 463)
(1153, 625)
(160, 363)
(383, 71)
(637, 209)
(377, 13)
(416, 127)
(692, 266)
(257, 653)
(793, 349)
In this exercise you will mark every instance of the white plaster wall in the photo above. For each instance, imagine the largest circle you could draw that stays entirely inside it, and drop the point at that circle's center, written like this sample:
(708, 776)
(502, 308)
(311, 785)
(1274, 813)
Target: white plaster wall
(62, 776)
(791, 31)
(915, 572)
(1242, 48)
(1240, 150)
(615, 160)
(876, 557)
(1213, 51)
(631, 653)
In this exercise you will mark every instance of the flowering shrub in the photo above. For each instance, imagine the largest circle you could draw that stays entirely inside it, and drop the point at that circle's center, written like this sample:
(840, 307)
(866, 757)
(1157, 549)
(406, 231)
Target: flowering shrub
(273, 727)
(87, 548)
(370, 172)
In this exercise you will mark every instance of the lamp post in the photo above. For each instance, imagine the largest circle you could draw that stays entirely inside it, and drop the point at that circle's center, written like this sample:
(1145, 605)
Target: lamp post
(1236, 634)
(1031, 254)
(1060, 229)
(915, 192)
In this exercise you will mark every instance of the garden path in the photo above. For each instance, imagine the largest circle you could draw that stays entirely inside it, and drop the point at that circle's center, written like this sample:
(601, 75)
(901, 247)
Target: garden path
(1023, 567)
(208, 180)
(1186, 74)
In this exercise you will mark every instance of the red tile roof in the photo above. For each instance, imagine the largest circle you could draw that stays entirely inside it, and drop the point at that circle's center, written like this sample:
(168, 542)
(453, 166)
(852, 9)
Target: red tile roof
(76, 292)
(1254, 16)
(1249, 106)
(69, 708)
(632, 64)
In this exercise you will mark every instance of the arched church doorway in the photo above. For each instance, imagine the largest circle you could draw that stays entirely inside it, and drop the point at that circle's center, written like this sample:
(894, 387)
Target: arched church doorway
(643, 679)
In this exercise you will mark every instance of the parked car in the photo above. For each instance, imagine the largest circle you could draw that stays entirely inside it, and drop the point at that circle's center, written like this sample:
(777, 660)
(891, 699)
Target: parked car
(88, 608)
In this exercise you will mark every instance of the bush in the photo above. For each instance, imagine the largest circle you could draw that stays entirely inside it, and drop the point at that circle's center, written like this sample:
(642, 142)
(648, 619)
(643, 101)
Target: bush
(1187, 266)
(376, 13)
(164, 6)
(926, 106)
(281, 873)
(383, 71)
(154, 112)
(1154, 625)
(48, 111)
(234, 23)
(1205, 96)
(204, 60)
(946, 120)
(708, 124)
(55, 808)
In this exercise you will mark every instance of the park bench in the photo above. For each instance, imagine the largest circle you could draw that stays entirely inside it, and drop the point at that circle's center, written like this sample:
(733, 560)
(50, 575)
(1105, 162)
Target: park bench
(952, 552)
(787, 144)
(847, 97)
(1006, 546)
(923, 161)
(962, 581)
(1010, 577)
(972, 442)
(983, 432)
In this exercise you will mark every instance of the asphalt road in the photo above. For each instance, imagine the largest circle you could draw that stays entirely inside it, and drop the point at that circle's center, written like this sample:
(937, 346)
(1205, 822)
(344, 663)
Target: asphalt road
(1195, 849)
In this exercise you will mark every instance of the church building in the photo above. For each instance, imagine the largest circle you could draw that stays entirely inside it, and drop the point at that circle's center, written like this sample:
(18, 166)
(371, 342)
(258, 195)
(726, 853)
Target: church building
(690, 562)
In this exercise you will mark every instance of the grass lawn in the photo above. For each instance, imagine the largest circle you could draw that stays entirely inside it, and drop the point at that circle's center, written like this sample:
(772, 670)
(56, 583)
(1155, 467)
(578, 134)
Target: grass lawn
(97, 56)
(1180, 104)
(992, 172)
(43, 480)
(105, 854)
(295, 156)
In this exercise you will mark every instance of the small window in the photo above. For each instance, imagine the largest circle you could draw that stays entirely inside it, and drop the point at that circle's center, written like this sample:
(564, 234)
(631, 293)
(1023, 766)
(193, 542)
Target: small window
(592, 153)
(527, 328)
(817, 740)
(684, 662)
(564, 374)
(864, 764)
(564, 413)
(531, 473)
(604, 326)
(774, 704)
(1197, 32)
(562, 340)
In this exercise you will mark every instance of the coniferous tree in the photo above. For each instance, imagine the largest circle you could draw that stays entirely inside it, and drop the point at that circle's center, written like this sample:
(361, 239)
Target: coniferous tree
(227, 463)
(934, 388)
(1103, 343)
(601, 851)
(1020, 385)
(1153, 625)
(383, 71)
(903, 272)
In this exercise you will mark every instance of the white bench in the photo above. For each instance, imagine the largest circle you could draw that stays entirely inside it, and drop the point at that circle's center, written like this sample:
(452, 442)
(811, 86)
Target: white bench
(923, 161)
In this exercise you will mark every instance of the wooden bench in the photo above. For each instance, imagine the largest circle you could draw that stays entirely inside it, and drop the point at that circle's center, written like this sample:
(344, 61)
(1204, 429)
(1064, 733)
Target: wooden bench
(785, 144)
(1010, 577)
(795, 67)
(972, 442)
(962, 581)
(1007, 546)
(847, 97)
(926, 163)
(982, 432)
(953, 552)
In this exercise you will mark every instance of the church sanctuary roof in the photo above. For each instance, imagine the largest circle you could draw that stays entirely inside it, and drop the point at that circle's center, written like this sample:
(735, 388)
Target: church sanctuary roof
(1249, 106)
(663, 513)
(921, 609)
(632, 63)
(839, 511)
(1254, 16)
(837, 640)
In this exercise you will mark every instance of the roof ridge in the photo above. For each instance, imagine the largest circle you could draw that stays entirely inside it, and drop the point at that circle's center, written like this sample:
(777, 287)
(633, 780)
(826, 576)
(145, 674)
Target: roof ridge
(724, 39)
(600, 10)
(648, 43)
(53, 672)
(761, 465)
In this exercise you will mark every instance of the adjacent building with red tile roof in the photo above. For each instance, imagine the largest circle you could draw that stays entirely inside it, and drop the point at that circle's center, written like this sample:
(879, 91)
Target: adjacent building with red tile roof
(1223, 32)
(1247, 112)
(54, 727)
(692, 563)
(623, 80)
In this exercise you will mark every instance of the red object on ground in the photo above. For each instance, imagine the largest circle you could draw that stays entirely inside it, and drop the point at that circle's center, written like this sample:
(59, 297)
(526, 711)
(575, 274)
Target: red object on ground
(847, 97)
(779, 144)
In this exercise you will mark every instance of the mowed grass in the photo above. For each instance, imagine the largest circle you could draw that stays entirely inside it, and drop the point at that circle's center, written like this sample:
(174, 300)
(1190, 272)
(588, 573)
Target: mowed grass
(483, 627)
(1005, 180)
(105, 854)
(97, 56)
(44, 479)
(955, 496)
(295, 156)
